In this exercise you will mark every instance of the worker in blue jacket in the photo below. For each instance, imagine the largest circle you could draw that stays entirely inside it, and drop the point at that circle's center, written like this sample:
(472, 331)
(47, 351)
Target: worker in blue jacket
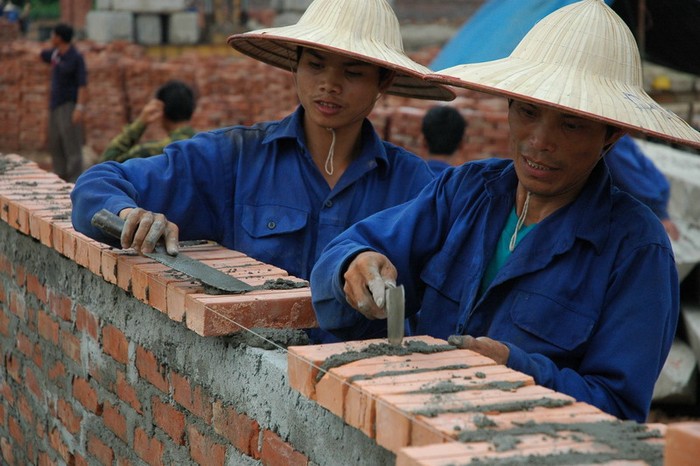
(635, 173)
(279, 191)
(536, 262)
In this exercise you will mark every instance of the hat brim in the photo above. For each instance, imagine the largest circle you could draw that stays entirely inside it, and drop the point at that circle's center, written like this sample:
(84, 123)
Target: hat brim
(277, 47)
(593, 97)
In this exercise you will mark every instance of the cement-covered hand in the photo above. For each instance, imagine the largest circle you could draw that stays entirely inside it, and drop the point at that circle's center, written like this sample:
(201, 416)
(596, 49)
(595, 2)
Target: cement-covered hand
(483, 345)
(366, 279)
(143, 229)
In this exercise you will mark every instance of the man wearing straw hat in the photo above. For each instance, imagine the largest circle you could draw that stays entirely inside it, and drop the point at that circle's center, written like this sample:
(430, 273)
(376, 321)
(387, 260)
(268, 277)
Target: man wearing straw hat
(279, 191)
(537, 262)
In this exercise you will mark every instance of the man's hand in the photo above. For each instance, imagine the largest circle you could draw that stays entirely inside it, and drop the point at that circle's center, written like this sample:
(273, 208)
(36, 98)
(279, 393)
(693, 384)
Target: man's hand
(152, 112)
(78, 115)
(143, 229)
(366, 280)
(485, 346)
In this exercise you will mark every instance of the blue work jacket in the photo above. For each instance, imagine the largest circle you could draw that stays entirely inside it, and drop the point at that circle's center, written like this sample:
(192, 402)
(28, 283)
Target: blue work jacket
(253, 189)
(587, 303)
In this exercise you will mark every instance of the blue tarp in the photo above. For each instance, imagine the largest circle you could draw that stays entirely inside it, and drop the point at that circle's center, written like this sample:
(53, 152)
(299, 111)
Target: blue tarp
(494, 31)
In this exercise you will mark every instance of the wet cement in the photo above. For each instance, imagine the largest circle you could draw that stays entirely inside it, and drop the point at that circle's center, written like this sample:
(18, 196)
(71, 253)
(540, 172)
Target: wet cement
(626, 440)
(381, 349)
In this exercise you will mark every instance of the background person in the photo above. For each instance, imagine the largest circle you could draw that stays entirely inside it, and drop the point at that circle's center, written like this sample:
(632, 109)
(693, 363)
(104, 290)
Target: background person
(67, 104)
(537, 262)
(172, 107)
(443, 132)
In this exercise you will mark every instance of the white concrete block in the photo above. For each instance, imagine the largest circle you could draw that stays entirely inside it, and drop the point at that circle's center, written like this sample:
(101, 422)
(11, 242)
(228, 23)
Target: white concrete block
(103, 4)
(149, 6)
(183, 28)
(295, 5)
(691, 319)
(678, 381)
(149, 29)
(106, 26)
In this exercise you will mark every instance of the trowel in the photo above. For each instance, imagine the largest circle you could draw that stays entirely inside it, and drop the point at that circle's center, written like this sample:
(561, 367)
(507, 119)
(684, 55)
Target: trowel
(112, 225)
(395, 311)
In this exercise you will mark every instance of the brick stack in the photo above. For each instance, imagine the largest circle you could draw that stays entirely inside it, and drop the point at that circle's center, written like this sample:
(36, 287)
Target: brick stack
(432, 404)
(231, 90)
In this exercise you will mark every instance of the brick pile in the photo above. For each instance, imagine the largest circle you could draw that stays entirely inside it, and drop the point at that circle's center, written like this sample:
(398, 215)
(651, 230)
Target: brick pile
(231, 90)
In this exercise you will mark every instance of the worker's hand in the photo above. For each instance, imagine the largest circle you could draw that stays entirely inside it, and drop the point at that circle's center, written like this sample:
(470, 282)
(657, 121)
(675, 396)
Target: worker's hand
(152, 112)
(671, 229)
(366, 280)
(485, 346)
(143, 229)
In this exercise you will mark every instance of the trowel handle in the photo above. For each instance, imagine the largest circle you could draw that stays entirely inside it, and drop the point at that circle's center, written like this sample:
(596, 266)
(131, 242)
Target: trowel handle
(108, 222)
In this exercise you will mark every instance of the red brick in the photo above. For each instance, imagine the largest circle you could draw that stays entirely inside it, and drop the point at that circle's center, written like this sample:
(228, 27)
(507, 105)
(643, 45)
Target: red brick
(17, 306)
(70, 344)
(115, 344)
(47, 327)
(15, 431)
(7, 453)
(150, 370)
(101, 451)
(35, 287)
(241, 430)
(168, 418)
(682, 444)
(193, 399)
(4, 324)
(61, 306)
(114, 420)
(25, 410)
(24, 344)
(59, 445)
(86, 395)
(204, 450)
(221, 315)
(67, 415)
(277, 452)
(32, 383)
(148, 449)
(127, 393)
(86, 322)
(57, 374)
(20, 275)
(13, 366)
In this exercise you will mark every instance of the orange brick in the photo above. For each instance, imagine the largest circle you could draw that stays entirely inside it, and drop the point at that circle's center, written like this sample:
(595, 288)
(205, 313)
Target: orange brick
(176, 295)
(359, 402)
(140, 274)
(226, 314)
(125, 262)
(395, 414)
(304, 362)
(682, 444)
(331, 389)
(108, 265)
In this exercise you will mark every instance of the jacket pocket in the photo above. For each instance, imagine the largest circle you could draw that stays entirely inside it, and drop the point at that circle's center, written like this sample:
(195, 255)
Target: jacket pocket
(269, 221)
(550, 320)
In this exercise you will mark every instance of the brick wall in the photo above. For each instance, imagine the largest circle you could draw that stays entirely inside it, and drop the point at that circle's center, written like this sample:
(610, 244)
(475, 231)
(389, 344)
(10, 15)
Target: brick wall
(93, 374)
(231, 89)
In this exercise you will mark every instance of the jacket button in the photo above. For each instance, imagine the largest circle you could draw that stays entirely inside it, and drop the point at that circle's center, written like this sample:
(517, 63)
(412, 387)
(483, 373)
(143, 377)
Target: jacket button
(271, 225)
(328, 203)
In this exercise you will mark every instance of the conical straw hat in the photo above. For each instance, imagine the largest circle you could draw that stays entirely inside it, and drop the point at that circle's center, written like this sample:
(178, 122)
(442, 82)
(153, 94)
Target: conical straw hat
(581, 59)
(367, 30)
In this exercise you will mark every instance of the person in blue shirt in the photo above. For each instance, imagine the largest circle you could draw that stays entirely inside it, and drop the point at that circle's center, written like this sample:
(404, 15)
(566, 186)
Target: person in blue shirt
(536, 261)
(635, 173)
(67, 103)
(443, 129)
(279, 191)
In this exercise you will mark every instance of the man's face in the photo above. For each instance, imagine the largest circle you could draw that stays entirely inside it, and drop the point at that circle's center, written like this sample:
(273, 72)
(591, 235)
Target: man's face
(336, 91)
(554, 152)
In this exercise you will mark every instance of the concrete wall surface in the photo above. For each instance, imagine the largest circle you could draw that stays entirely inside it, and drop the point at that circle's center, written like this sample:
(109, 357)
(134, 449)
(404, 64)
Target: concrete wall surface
(92, 375)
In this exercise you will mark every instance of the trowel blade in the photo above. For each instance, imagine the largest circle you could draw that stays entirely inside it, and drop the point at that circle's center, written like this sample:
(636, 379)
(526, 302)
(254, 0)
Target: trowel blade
(395, 311)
